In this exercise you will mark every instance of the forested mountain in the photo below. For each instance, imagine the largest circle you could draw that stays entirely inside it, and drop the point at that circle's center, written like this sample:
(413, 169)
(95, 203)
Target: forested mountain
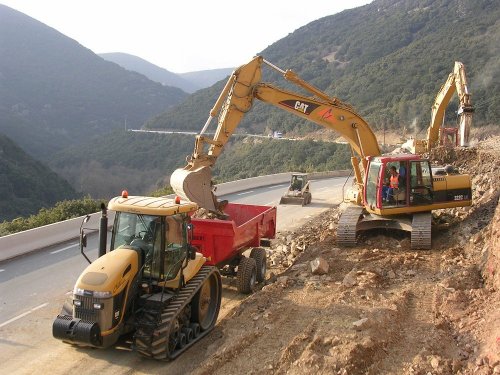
(54, 91)
(27, 185)
(139, 162)
(143, 162)
(206, 78)
(153, 72)
(189, 82)
(388, 59)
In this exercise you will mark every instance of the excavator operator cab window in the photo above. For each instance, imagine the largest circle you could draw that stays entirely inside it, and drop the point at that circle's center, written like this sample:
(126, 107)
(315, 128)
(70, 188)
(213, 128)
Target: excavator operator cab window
(421, 192)
(373, 183)
(394, 189)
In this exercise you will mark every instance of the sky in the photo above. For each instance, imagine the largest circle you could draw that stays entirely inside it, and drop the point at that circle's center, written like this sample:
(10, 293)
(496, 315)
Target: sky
(180, 35)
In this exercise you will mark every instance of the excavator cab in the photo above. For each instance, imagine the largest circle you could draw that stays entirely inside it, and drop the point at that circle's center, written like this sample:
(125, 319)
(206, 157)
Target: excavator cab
(395, 182)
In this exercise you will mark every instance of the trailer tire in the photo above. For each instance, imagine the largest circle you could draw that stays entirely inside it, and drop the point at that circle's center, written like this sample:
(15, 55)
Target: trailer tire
(247, 275)
(259, 254)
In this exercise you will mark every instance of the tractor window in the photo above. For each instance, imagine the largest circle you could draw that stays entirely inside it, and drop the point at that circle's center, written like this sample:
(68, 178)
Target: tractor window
(420, 183)
(129, 227)
(175, 251)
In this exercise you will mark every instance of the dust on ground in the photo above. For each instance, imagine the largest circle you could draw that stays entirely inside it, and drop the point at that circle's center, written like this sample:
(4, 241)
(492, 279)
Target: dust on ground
(378, 308)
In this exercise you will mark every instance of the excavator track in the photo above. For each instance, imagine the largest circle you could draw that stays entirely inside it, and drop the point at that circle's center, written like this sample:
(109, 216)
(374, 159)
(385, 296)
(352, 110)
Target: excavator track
(421, 231)
(347, 227)
(160, 329)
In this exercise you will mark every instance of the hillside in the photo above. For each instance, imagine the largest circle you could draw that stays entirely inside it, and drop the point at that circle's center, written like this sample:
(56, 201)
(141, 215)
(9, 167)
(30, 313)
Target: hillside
(151, 71)
(189, 82)
(143, 162)
(54, 91)
(388, 59)
(138, 162)
(27, 185)
(206, 78)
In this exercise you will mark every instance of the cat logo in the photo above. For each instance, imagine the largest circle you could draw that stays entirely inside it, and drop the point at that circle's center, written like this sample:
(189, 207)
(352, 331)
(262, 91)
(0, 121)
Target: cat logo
(303, 107)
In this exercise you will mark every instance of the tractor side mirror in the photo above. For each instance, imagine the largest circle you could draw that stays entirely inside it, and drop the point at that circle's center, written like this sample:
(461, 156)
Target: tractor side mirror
(83, 237)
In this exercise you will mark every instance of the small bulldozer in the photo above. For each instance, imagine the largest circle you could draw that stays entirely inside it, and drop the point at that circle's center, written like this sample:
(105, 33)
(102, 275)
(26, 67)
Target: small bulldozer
(298, 192)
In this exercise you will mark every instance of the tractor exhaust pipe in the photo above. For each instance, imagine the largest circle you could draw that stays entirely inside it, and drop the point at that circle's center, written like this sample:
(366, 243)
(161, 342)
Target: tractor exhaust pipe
(103, 230)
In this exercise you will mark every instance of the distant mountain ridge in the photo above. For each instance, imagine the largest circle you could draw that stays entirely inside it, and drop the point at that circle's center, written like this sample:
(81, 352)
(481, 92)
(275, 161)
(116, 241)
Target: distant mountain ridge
(54, 92)
(189, 82)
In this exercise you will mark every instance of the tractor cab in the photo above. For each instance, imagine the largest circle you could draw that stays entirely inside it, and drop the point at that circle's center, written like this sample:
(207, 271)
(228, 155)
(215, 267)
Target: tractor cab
(398, 181)
(159, 230)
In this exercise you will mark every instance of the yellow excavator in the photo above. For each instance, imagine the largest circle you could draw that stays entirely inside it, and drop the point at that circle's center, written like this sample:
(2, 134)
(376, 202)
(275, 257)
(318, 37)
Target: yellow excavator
(436, 132)
(406, 205)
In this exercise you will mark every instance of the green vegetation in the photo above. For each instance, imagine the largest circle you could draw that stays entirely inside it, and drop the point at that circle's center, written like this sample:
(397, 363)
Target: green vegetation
(27, 185)
(64, 210)
(388, 59)
(138, 162)
(253, 158)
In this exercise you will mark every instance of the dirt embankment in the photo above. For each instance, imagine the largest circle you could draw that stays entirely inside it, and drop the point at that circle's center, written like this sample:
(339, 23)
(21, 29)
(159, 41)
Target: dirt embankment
(379, 308)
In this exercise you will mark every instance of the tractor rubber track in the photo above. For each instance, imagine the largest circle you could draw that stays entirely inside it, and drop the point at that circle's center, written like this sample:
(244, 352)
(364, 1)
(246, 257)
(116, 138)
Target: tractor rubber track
(347, 227)
(153, 332)
(421, 231)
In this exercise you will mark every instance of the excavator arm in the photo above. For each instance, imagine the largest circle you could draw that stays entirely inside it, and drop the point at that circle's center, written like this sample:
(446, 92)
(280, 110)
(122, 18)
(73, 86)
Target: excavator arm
(457, 81)
(193, 182)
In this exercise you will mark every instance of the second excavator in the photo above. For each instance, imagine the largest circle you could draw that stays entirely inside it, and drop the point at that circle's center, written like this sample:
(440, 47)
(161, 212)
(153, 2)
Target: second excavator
(436, 132)
(404, 203)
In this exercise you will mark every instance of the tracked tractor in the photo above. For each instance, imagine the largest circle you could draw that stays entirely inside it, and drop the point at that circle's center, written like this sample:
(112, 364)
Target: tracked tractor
(299, 190)
(152, 284)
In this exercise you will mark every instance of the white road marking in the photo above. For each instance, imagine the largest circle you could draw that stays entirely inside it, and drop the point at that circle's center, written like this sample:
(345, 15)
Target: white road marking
(23, 314)
(63, 249)
(275, 186)
(245, 192)
(2, 270)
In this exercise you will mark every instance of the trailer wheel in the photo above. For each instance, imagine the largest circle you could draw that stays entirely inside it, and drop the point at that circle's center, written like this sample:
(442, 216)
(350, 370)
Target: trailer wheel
(259, 254)
(247, 275)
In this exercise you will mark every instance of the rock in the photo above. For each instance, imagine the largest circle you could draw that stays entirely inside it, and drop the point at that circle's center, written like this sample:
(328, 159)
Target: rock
(496, 369)
(391, 274)
(350, 280)
(361, 324)
(319, 266)
(283, 280)
(299, 267)
(435, 362)
(411, 272)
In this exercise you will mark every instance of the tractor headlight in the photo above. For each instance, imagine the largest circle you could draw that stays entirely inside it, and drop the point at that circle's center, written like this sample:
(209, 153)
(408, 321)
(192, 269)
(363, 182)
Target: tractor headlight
(102, 294)
(78, 291)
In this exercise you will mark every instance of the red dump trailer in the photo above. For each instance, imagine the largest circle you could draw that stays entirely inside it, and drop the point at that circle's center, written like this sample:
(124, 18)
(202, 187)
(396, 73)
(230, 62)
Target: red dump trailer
(223, 242)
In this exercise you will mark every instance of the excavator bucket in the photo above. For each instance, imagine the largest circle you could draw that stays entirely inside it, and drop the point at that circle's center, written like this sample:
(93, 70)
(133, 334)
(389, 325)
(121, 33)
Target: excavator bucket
(195, 186)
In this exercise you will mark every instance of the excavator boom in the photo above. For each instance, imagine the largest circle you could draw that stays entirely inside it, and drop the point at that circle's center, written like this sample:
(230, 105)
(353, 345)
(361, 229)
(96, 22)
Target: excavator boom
(193, 182)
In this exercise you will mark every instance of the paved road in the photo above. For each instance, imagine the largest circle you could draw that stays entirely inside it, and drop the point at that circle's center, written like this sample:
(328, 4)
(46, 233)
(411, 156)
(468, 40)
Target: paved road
(34, 287)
